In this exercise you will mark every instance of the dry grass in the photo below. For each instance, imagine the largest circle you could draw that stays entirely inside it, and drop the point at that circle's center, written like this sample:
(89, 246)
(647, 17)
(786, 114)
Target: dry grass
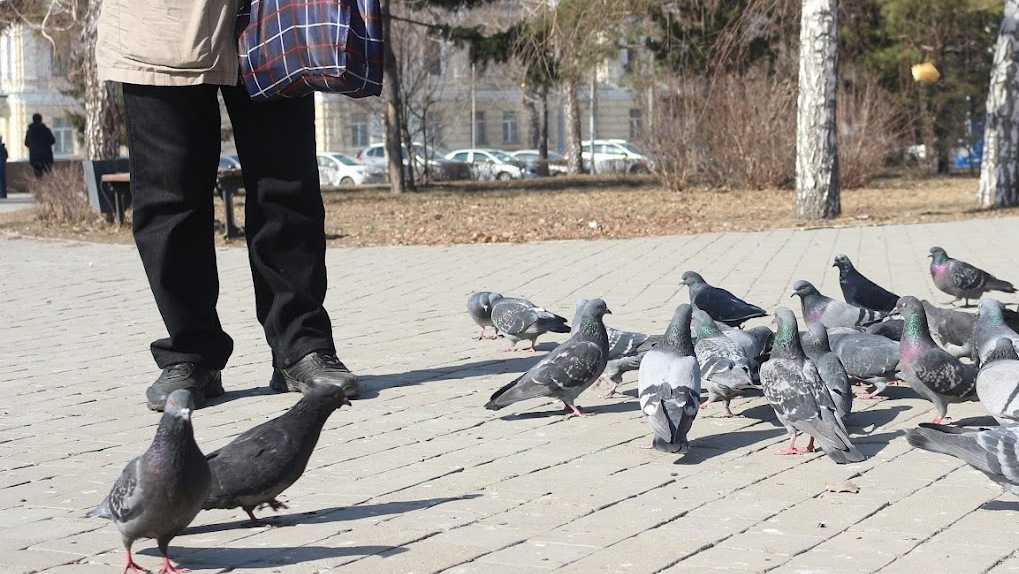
(581, 208)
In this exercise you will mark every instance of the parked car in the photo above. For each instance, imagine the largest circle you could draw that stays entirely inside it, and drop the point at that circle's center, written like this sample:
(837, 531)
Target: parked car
(489, 163)
(532, 158)
(229, 161)
(439, 166)
(614, 155)
(337, 169)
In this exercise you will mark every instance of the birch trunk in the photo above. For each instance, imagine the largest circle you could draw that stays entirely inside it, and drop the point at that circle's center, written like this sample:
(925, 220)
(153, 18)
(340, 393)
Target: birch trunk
(104, 112)
(571, 109)
(999, 170)
(817, 167)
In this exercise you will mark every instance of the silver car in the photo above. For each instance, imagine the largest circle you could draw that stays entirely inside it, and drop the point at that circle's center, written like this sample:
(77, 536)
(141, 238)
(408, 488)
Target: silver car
(488, 163)
(339, 170)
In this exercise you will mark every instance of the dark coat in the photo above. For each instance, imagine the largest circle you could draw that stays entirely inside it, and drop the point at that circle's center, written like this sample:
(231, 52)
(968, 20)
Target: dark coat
(39, 140)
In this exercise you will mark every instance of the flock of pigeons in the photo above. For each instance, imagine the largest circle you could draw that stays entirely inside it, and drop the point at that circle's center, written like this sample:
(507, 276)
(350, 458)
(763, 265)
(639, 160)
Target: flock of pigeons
(874, 337)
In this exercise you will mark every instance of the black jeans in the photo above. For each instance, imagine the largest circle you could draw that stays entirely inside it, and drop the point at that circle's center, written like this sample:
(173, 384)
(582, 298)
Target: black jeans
(174, 143)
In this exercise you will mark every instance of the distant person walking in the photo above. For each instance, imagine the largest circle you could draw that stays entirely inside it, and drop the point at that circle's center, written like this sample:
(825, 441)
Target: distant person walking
(3, 169)
(39, 140)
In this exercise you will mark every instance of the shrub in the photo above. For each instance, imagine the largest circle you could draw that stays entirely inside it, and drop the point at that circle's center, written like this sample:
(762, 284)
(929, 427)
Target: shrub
(61, 196)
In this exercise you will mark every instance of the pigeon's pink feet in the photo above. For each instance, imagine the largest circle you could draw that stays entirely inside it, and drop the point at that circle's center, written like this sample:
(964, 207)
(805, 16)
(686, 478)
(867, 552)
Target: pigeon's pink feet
(728, 413)
(258, 522)
(789, 450)
(705, 404)
(132, 566)
(507, 349)
(479, 337)
(648, 447)
(939, 419)
(576, 410)
(169, 569)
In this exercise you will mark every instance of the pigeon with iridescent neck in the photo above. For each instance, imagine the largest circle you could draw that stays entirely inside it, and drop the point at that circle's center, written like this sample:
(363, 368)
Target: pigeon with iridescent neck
(725, 368)
(160, 492)
(831, 313)
(567, 370)
(669, 386)
(801, 401)
(962, 280)
(928, 369)
(990, 326)
(718, 303)
(626, 351)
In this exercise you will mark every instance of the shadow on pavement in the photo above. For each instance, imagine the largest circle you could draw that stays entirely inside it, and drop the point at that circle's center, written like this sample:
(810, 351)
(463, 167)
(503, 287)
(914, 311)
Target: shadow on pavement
(707, 447)
(618, 407)
(371, 385)
(271, 557)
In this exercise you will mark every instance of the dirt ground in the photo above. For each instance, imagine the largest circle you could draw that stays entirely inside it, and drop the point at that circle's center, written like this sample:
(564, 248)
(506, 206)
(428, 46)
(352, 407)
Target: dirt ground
(576, 208)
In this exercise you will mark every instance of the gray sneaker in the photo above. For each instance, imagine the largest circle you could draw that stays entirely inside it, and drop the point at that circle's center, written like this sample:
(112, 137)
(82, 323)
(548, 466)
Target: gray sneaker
(203, 383)
(312, 370)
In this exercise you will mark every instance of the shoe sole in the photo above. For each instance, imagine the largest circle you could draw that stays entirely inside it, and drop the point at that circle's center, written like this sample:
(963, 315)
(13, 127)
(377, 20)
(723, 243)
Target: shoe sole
(350, 391)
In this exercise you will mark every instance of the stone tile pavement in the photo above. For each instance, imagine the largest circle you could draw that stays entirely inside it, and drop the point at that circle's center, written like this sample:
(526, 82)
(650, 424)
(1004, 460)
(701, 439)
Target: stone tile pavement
(418, 477)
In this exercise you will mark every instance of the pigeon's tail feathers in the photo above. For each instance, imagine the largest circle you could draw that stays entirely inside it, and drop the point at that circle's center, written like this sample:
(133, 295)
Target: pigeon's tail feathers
(852, 454)
(832, 437)
(553, 323)
(101, 511)
(959, 444)
(516, 391)
(1000, 285)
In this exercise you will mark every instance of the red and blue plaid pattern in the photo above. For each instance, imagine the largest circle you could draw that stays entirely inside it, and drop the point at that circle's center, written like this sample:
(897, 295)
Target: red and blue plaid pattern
(290, 48)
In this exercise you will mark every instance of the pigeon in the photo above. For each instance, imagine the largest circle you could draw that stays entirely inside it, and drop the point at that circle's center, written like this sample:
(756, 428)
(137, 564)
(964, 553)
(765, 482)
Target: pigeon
(254, 468)
(860, 291)
(519, 319)
(928, 369)
(160, 492)
(720, 304)
(479, 305)
(568, 370)
(993, 451)
(888, 328)
(801, 401)
(725, 368)
(868, 358)
(669, 385)
(626, 350)
(953, 329)
(962, 280)
(998, 382)
(831, 313)
(872, 359)
(990, 326)
(829, 367)
(755, 343)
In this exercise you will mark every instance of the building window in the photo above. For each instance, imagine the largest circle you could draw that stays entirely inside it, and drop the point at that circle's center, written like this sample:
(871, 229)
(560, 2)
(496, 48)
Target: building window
(480, 137)
(636, 124)
(510, 129)
(63, 132)
(359, 131)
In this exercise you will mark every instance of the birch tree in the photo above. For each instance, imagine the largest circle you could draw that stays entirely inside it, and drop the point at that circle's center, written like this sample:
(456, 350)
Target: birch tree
(999, 172)
(817, 167)
(104, 110)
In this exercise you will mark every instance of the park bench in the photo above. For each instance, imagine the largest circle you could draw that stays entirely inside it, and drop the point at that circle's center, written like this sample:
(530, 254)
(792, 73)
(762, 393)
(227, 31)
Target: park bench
(116, 189)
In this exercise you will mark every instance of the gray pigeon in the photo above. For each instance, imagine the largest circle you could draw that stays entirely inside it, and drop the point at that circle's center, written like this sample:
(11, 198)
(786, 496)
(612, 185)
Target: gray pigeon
(830, 369)
(831, 313)
(860, 291)
(928, 369)
(888, 328)
(990, 326)
(519, 319)
(254, 468)
(479, 306)
(872, 359)
(725, 368)
(626, 350)
(718, 303)
(994, 451)
(998, 382)
(669, 386)
(801, 401)
(755, 343)
(962, 280)
(160, 492)
(953, 329)
(568, 370)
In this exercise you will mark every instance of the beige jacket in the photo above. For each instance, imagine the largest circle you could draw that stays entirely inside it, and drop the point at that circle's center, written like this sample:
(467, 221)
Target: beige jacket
(168, 42)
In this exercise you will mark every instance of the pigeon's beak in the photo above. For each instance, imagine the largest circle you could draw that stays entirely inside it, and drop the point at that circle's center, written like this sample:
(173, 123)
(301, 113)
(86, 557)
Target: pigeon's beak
(608, 311)
(184, 413)
(930, 256)
(793, 294)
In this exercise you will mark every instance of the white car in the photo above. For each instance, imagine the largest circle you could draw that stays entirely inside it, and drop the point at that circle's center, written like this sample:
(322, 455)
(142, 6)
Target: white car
(614, 155)
(440, 167)
(336, 169)
(488, 163)
(532, 157)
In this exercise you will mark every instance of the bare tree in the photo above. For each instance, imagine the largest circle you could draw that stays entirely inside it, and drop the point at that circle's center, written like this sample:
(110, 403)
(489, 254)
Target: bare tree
(817, 167)
(999, 172)
(394, 107)
(103, 109)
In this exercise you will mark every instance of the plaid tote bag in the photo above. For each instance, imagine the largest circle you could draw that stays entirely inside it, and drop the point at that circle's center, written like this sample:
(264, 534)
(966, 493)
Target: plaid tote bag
(290, 48)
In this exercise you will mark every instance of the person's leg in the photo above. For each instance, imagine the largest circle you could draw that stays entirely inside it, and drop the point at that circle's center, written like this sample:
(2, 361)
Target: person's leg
(174, 140)
(284, 222)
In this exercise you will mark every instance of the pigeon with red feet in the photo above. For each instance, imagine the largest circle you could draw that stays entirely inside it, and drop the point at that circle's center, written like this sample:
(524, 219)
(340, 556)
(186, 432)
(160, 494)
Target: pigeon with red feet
(669, 386)
(962, 280)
